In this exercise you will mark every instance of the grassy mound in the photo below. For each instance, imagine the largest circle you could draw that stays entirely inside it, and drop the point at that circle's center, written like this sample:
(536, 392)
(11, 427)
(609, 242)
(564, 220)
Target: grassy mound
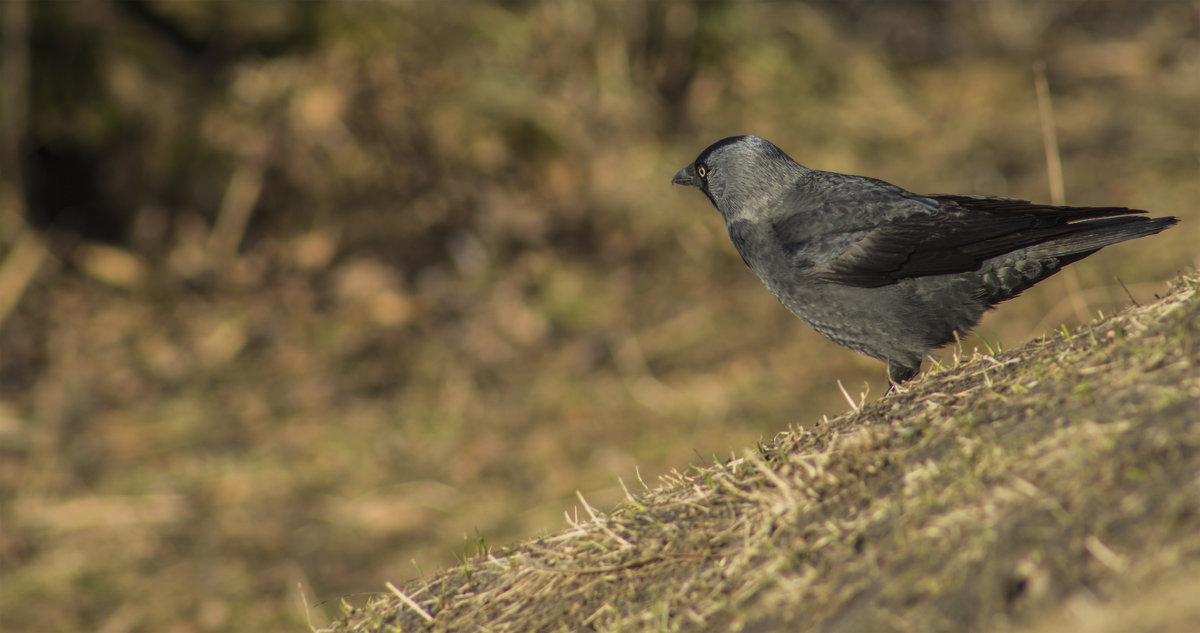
(1053, 487)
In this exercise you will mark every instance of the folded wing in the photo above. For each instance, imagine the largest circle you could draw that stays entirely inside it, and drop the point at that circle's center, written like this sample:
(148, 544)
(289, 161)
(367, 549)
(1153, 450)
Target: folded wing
(968, 230)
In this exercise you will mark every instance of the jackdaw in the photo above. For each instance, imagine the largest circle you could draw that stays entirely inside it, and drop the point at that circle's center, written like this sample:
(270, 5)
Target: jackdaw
(884, 271)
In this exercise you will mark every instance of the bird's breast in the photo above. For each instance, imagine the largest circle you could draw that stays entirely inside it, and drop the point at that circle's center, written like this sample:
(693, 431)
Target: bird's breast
(765, 253)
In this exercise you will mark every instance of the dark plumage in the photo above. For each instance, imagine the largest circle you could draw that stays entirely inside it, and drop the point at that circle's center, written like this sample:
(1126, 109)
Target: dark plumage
(884, 271)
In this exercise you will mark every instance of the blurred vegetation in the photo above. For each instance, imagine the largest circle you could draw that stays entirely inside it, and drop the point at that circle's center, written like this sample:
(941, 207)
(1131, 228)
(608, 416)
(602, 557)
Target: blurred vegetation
(300, 293)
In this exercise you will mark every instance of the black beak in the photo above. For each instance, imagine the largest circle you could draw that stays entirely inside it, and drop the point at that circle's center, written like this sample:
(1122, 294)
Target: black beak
(686, 176)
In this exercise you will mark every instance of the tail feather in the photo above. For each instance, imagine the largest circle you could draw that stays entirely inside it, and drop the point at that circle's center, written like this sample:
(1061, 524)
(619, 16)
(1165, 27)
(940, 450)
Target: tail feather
(1092, 235)
(1012, 274)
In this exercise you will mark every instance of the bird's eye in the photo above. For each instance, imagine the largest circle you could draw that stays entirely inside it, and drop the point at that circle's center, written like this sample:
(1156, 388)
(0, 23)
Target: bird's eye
(701, 171)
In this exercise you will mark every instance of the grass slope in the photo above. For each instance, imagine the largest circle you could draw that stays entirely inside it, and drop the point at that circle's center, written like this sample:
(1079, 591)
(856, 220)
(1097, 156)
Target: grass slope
(1051, 487)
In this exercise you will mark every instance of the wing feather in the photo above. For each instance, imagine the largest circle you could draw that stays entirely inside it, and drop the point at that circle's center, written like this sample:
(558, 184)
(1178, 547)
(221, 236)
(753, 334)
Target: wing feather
(966, 231)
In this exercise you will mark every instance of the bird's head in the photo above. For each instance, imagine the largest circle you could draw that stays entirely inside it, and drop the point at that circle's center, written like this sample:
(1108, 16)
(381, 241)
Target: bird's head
(740, 174)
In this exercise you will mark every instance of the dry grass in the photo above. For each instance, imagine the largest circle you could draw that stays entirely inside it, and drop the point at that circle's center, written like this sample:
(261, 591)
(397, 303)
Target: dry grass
(1038, 486)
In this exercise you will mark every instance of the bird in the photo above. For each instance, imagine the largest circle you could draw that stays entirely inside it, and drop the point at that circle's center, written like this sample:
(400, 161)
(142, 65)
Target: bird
(881, 270)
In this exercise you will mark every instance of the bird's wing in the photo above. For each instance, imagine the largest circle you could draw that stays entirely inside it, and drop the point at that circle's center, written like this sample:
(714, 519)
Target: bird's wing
(964, 232)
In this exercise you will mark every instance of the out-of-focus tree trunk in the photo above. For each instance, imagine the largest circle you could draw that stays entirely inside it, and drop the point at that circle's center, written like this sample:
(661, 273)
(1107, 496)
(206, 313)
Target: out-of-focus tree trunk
(23, 253)
(14, 76)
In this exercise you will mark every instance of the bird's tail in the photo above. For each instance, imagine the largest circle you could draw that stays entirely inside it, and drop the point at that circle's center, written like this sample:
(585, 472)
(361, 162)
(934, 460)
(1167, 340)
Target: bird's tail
(1005, 282)
(1090, 236)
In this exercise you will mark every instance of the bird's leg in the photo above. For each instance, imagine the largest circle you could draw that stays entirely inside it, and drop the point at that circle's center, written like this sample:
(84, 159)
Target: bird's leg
(898, 373)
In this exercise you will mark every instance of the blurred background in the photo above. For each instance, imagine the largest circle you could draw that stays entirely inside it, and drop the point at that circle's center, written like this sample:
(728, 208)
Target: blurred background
(297, 298)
